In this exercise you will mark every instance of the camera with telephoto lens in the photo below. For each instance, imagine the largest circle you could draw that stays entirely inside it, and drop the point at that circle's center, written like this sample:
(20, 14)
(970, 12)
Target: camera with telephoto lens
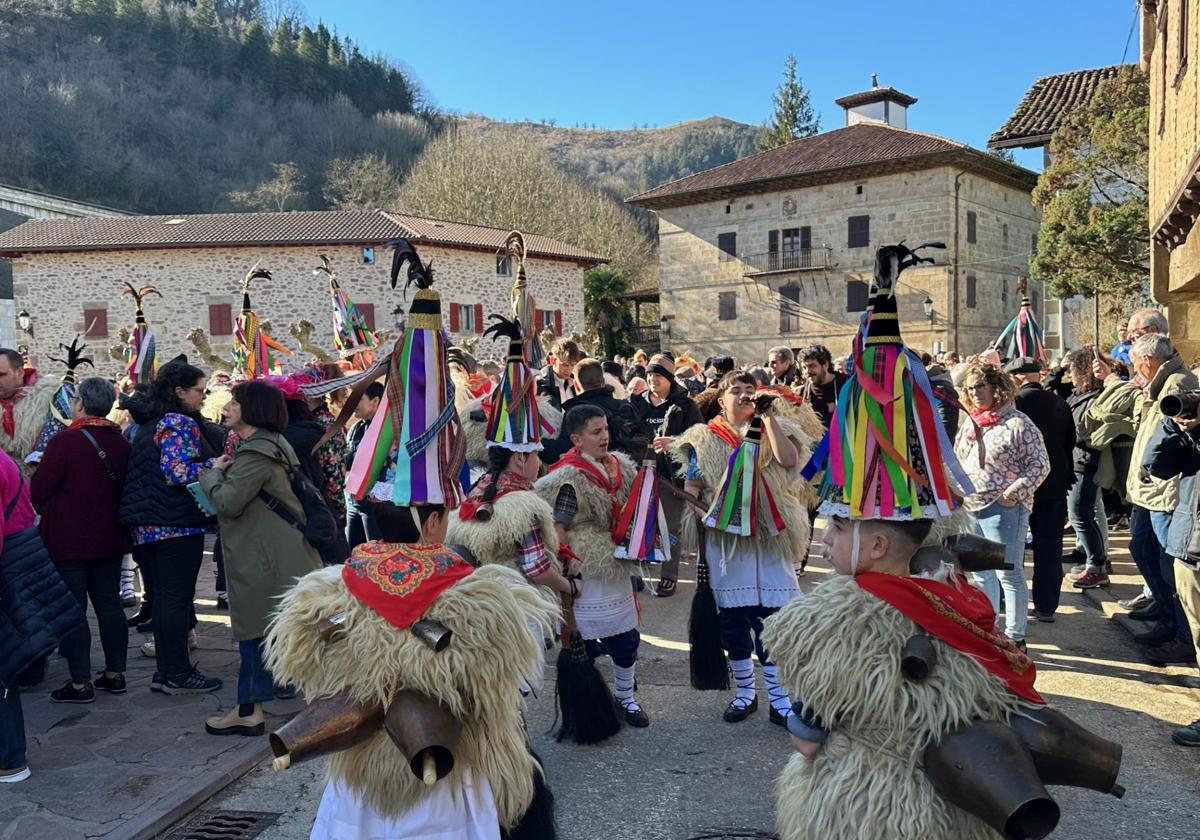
(1182, 404)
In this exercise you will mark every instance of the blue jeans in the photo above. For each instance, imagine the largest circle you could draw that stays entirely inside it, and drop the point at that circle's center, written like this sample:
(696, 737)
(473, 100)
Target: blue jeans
(1148, 530)
(360, 522)
(12, 730)
(1006, 525)
(255, 684)
(1085, 511)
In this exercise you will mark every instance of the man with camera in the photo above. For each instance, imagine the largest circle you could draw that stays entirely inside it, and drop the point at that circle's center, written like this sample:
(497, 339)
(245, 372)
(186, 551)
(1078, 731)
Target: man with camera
(1157, 500)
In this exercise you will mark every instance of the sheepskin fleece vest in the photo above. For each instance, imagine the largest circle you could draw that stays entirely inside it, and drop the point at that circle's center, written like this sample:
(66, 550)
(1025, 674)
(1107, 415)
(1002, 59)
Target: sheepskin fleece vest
(475, 678)
(867, 779)
(30, 414)
(793, 495)
(590, 534)
(498, 539)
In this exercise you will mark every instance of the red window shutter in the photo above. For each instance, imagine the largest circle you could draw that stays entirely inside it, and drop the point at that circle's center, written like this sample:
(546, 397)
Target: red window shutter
(95, 322)
(220, 319)
(479, 318)
(558, 322)
(538, 321)
(368, 313)
(454, 317)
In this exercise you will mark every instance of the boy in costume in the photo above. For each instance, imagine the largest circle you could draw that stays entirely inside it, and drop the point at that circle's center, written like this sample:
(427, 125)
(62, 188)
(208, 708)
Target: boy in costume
(744, 465)
(913, 718)
(408, 639)
(587, 488)
(376, 661)
(503, 520)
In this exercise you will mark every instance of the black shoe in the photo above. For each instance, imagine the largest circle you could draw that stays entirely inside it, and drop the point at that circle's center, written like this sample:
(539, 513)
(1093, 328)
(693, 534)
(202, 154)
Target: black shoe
(285, 692)
(70, 694)
(665, 588)
(222, 601)
(146, 627)
(777, 718)
(1176, 652)
(1021, 646)
(139, 618)
(636, 717)
(1157, 635)
(129, 602)
(1046, 618)
(735, 712)
(1149, 613)
(1187, 736)
(156, 682)
(1136, 602)
(193, 682)
(114, 685)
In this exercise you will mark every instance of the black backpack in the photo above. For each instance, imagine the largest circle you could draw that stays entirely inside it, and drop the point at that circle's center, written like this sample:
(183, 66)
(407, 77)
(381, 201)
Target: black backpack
(320, 527)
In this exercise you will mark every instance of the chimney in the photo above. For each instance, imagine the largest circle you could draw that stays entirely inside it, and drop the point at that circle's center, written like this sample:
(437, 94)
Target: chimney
(884, 105)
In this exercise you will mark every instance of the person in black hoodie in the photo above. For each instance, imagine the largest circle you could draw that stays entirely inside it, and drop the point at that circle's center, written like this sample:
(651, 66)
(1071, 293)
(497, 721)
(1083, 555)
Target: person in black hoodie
(625, 433)
(665, 410)
(1050, 413)
(169, 451)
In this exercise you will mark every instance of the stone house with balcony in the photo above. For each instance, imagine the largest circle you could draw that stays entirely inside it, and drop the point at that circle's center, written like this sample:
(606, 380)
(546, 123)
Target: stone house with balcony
(777, 248)
(68, 274)
(1170, 33)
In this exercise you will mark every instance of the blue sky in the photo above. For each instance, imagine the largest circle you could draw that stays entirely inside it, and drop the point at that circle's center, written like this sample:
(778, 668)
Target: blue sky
(619, 62)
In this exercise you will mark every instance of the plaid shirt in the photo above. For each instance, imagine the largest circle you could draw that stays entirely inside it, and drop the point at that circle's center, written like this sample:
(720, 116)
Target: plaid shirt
(565, 506)
(534, 560)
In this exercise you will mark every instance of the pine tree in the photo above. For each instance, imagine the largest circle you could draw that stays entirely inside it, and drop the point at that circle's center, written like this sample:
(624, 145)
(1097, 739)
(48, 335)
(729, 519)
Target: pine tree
(794, 116)
(312, 61)
(254, 55)
(283, 45)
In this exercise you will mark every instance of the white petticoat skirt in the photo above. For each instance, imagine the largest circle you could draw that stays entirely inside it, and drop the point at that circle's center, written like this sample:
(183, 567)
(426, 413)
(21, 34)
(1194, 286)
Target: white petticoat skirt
(605, 608)
(448, 812)
(749, 573)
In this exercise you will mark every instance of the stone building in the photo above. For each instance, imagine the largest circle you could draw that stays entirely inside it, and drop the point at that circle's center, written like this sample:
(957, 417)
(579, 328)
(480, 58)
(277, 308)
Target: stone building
(777, 248)
(1030, 126)
(68, 275)
(18, 205)
(1170, 31)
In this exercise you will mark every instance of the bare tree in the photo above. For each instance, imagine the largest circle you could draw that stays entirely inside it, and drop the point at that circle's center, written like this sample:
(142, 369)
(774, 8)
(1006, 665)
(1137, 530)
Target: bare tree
(366, 182)
(285, 191)
(504, 182)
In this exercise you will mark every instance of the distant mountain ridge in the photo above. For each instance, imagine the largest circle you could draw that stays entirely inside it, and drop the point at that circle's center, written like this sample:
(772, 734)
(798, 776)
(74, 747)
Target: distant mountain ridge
(627, 161)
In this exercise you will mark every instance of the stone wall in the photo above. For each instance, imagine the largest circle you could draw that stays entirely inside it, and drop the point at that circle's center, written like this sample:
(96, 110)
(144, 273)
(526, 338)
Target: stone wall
(915, 207)
(1174, 144)
(56, 288)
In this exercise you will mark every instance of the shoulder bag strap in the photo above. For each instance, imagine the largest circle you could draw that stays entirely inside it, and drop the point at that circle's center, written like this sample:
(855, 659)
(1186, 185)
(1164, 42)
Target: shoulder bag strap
(16, 496)
(112, 474)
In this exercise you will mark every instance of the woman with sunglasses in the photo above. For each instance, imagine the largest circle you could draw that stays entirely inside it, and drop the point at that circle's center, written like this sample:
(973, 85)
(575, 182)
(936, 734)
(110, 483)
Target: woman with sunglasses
(1005, 457)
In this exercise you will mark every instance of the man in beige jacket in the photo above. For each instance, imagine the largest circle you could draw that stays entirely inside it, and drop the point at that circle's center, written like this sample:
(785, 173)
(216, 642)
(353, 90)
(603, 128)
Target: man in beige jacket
(1154, 500)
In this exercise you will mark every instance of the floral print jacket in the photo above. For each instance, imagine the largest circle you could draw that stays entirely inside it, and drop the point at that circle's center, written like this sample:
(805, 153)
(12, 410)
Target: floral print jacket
(1014, 459)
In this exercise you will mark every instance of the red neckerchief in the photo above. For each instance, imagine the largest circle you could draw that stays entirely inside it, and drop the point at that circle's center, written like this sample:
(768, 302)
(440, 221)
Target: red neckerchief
(962, 617)
(400, 582)
(722, 429)
(985, 417)
(30, 377)
(95, 422)
(509, 482)
(610, 483)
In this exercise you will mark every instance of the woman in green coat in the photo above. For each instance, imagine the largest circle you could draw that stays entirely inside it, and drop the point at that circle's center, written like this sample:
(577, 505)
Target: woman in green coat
(264, 555)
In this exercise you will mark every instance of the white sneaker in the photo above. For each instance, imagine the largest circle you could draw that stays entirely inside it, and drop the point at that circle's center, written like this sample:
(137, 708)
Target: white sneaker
(149, 650)
(13, 776)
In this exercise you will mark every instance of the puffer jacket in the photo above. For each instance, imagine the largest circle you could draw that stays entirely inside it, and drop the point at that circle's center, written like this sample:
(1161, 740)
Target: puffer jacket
(1109, 428)
(1086, 457)
(36, 608)
(1144, 489)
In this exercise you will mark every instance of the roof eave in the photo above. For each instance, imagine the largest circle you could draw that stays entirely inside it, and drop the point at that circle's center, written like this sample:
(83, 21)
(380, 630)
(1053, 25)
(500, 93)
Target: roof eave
(1022, 141)
(1007, 173)
(588, 260)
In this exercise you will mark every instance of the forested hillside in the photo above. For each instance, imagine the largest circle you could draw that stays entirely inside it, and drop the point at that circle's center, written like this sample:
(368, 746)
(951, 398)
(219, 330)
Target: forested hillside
(162, 106)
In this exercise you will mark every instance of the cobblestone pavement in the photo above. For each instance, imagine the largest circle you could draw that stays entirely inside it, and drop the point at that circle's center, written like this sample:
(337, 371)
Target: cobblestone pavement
(131, 766)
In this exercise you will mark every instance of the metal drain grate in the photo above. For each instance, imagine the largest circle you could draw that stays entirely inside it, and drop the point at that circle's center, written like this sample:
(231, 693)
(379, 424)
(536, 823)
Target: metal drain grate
(223, 825)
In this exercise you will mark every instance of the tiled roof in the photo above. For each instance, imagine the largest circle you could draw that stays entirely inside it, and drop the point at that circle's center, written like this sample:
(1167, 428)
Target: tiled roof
(827, 158)
(316, 227)
(1043, 107)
